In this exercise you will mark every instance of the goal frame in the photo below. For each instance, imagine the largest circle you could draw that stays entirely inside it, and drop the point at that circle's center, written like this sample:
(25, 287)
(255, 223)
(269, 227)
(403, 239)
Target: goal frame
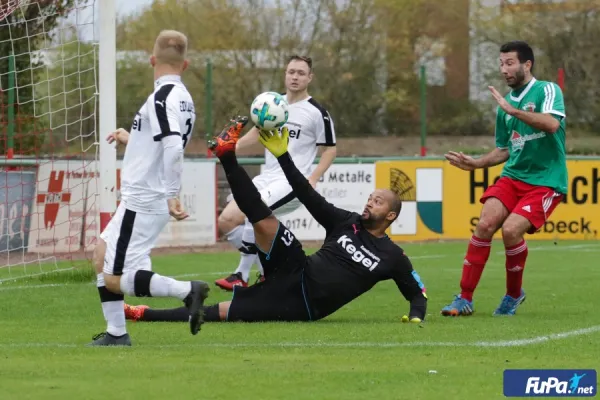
(107, 101)
(107, 84)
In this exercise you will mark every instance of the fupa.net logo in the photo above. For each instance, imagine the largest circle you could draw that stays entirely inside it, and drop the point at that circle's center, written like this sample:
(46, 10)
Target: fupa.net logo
(550, 383)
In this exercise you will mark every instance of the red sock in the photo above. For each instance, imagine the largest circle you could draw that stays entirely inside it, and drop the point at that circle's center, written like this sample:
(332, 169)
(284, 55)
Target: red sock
(478, 253)
(515, 264)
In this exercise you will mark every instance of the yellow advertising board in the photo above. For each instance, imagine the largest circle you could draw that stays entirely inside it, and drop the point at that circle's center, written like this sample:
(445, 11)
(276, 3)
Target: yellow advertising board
(442, 202)
(421, 186)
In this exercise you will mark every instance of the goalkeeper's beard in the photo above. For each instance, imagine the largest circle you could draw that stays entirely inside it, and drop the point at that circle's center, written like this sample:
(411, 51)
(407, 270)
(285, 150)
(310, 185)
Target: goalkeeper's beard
(370, 221)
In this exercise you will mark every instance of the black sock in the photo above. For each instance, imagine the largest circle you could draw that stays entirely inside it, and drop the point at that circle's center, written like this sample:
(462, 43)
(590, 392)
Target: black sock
(244, 192)
(229, 162)
(211, 313)
(181, 314)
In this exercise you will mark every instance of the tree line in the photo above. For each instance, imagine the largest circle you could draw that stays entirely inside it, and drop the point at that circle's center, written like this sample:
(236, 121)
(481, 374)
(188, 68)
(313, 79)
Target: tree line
(366, 53)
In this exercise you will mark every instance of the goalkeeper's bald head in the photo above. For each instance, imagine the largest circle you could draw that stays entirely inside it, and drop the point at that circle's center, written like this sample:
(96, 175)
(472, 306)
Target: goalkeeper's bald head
(170, 49)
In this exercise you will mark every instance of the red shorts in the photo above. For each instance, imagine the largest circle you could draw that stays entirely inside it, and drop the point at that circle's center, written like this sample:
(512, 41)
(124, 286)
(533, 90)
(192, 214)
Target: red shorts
(536, 203)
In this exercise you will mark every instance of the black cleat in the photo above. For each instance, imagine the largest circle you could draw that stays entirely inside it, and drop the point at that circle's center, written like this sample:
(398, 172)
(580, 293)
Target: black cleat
(195, 304)
(106, 339)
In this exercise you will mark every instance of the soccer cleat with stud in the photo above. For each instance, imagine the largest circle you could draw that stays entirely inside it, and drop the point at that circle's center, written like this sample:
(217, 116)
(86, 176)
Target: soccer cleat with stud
(195, 304)
(231, 281)
(226, 141)
(134, 313)
(458, 307)
(509, 305)
(106, 339)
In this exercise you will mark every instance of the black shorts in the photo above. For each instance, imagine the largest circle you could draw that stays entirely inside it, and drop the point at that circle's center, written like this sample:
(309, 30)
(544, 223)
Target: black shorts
(281, 296)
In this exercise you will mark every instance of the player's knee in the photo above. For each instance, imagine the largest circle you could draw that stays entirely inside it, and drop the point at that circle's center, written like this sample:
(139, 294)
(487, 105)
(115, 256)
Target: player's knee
(486, 228)
(98, 256)
(511, 233)
(113, 283)
(229, 219)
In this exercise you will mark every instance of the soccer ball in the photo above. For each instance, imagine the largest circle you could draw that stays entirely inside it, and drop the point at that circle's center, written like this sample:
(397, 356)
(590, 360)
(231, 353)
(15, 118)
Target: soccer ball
(269, 111)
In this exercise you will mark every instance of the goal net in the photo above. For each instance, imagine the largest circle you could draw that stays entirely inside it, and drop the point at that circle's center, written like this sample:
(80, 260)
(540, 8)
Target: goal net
(49, 196)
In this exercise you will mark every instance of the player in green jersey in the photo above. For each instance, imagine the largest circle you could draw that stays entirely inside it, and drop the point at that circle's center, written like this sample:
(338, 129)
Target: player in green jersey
(530, 138)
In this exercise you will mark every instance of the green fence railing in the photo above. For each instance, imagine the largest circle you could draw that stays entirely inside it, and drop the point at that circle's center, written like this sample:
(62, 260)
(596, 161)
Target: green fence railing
(365, 160)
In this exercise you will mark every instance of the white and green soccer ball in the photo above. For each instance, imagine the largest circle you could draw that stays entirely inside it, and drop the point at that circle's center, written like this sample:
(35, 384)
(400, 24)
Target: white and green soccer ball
(269, 111)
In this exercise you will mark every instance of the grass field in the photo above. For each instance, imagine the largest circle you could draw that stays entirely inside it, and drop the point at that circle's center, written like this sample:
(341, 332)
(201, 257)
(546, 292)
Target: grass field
(361, 352)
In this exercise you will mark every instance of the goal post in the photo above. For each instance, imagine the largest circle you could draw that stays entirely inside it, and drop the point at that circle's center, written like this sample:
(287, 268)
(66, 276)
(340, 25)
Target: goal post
(107, 65)
(58, 179)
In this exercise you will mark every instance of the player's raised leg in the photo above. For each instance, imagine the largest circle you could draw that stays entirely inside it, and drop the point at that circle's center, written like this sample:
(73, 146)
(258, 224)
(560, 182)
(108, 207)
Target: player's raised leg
(244, 192)
(493, 214)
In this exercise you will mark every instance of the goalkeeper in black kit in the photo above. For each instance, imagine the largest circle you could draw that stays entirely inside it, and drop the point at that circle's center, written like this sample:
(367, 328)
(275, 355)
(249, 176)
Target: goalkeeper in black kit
(355, 255)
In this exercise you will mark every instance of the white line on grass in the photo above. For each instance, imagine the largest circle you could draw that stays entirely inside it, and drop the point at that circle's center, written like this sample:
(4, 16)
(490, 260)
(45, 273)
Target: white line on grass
(501, 343)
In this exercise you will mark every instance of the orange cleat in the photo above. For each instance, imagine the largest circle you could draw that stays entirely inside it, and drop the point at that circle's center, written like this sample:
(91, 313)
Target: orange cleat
(226, 141)
(231, 281)
(135, 313)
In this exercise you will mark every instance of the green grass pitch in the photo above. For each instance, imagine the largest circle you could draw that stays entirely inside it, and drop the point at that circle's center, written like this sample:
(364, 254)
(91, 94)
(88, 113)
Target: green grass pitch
(361, 352)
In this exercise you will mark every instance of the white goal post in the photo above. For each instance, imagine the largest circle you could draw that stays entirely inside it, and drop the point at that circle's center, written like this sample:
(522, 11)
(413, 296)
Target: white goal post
(107, 65)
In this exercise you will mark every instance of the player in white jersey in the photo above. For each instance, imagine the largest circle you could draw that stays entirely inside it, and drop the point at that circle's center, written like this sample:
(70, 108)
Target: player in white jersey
(150, 185)
(310, 126)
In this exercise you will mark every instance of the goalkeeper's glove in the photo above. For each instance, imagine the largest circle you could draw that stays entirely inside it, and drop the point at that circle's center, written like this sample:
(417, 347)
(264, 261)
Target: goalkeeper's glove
(276, 143)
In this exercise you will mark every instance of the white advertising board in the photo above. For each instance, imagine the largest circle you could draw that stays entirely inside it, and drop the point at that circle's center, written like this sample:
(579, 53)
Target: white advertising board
(65, 213)
(346, 186)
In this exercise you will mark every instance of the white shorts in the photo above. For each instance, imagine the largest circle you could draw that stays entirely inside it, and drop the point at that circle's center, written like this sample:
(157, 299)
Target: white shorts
(129, 237)
(276, 192)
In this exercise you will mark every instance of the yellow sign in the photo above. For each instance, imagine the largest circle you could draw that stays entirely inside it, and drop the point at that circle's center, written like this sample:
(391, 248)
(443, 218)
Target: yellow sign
(420, 185)
(444, 200)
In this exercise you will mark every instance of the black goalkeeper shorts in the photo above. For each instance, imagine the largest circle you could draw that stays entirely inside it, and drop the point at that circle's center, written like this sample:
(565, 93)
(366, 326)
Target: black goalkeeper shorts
(281, 296)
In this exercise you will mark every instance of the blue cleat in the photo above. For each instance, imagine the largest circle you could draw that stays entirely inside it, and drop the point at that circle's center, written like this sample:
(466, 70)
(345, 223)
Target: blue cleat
(458, 307)
(509, 304)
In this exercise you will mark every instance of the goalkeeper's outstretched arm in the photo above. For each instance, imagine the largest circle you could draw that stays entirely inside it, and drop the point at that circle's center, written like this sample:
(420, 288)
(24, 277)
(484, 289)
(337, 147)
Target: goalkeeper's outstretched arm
(323, 211)
(410, 285)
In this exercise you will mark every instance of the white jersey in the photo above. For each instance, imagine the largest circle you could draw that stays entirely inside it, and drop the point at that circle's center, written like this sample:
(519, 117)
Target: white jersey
(310, 125)
(153, 159)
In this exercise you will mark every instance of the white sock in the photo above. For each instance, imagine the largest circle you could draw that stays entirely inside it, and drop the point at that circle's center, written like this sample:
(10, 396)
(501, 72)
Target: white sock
(163, 286)
(156, 286)
(259, 265)
(114, 315)
(245, 265)
(100, 279)
(235, 236)
(247, 260)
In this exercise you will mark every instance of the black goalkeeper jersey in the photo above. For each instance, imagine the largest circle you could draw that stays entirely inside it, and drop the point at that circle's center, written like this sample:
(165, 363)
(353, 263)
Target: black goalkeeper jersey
(351, 260)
